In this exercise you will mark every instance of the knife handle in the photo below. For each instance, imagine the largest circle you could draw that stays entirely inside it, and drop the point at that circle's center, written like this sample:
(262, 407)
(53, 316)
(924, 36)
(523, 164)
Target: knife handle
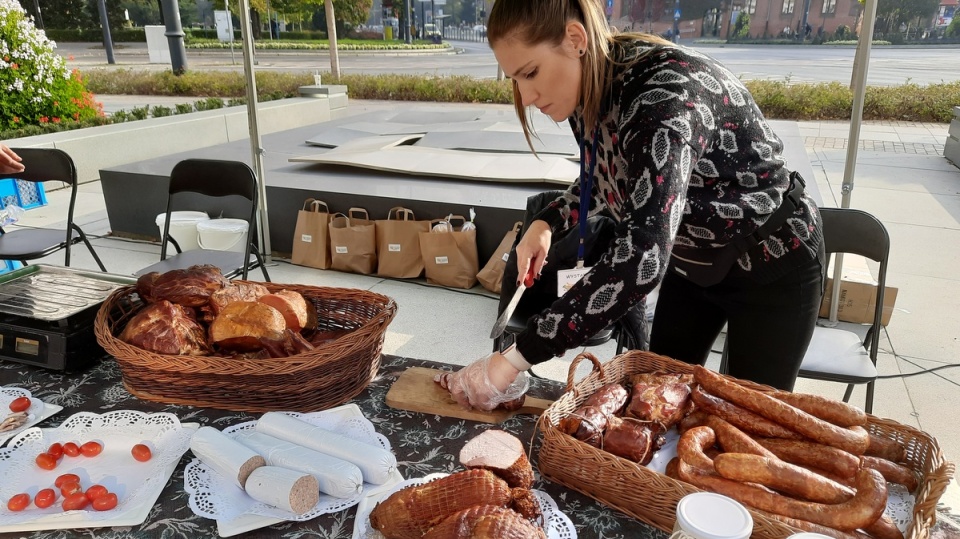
(528, 278)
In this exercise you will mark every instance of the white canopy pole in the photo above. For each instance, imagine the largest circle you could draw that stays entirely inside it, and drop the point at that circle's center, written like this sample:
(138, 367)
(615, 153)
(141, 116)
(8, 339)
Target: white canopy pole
(860, 65)
(253, 123)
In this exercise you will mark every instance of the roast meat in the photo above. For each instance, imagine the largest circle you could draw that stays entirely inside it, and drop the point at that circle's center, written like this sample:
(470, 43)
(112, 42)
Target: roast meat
(660, 397)
(233, 291)
(166, 328)
(291, 305)
(191, 287)
(242, 325)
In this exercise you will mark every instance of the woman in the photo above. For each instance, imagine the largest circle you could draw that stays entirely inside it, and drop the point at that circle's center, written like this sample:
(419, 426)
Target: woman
(9, 161)
(675, 151)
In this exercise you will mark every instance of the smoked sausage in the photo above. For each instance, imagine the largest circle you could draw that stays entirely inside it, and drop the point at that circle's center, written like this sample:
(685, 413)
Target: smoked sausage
(891, 471)
(780, 476)
(837, 412)
(813, 454)
(739, 417)
(733, 440)
(885, 448)
(691, 446)
(815, 528)
(782, 413)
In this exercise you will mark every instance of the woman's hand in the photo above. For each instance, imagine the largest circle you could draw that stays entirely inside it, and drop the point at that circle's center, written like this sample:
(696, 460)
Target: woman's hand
(485, 383)
(532, 249)
(9, 161)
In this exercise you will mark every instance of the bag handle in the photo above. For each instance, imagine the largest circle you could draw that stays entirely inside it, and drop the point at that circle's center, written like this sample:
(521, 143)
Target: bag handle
(358, 211)
(339, 215)
(401, 213)
(517, 226)
(314, 205)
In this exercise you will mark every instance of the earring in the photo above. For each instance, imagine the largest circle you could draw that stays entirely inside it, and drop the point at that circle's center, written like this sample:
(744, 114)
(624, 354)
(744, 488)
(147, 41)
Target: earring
(581, 52)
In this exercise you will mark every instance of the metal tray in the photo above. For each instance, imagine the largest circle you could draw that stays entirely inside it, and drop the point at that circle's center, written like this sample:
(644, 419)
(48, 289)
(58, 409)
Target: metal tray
(53, 293)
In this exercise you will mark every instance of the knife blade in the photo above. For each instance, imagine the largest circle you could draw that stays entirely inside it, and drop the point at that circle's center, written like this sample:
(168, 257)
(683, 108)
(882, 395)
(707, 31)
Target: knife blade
(501, 323)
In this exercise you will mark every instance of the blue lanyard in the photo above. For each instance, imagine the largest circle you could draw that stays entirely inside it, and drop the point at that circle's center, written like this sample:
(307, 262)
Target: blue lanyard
(586, 187)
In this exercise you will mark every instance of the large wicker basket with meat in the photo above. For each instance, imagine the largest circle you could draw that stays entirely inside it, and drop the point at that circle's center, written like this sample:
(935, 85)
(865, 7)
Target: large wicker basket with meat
(326, 376)
(652, 497)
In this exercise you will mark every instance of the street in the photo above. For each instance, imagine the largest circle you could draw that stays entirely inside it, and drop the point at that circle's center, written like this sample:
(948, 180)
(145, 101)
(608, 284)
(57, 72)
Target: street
(797, 63)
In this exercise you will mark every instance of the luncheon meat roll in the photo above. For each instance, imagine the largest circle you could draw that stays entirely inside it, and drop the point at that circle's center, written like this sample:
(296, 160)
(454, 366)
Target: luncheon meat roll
(287, 489)
(224, 455)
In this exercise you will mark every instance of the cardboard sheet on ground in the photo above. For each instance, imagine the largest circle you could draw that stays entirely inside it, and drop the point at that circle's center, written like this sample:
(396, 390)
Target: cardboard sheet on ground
(398, 154)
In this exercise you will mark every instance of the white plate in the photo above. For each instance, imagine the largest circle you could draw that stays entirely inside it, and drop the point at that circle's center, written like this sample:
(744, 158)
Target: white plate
(557, 524)
(212, 496)
(37, 412)
(137, 484)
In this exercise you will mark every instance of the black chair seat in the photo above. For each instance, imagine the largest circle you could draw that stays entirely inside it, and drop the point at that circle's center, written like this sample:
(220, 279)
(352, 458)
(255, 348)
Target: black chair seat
(230, 262)
(32, 243)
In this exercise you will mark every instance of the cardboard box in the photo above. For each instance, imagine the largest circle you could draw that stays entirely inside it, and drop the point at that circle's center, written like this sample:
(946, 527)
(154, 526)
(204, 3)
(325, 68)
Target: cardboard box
(858, 301)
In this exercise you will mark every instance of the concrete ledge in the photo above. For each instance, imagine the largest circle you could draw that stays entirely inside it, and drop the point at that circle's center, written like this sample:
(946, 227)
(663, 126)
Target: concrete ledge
(96, 148)
(951, 149)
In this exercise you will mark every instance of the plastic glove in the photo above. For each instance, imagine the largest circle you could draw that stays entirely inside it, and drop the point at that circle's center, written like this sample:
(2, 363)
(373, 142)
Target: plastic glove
(478, 385)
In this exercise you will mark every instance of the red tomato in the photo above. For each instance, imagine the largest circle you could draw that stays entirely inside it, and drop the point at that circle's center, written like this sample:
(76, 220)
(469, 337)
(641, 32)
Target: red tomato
(106, 502)
(45, 498)
(91, 449)
(46, 461)
(69, 488)
(56, 450)
(75, 501)
(18, 502)
(71, 449)
(66, 478)
(95, 492)
(20, 404)
(141, 452)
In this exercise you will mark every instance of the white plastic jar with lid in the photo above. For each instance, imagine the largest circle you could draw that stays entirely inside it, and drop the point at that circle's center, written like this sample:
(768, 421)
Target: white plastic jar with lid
(706, 515)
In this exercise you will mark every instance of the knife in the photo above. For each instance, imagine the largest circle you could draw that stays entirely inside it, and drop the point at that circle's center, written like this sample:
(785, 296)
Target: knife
(501, 323)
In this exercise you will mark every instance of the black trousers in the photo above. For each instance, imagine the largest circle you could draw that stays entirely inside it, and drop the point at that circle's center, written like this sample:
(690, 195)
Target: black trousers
(769, 326)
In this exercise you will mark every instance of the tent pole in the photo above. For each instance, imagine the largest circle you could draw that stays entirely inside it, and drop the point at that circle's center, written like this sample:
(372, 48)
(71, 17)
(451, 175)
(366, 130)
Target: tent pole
(253, 122)
(861, 63)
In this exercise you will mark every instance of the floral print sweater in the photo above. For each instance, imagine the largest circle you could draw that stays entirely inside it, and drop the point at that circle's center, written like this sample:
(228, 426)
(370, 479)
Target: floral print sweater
(685, 157)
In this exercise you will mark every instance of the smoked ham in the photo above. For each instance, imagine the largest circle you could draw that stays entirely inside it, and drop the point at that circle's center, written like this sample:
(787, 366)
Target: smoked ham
(502, 453)
(485, 522)
(660, 397)
(166, 328)
(191, 287)
(242, 324)
(291, 305)
(633, 439)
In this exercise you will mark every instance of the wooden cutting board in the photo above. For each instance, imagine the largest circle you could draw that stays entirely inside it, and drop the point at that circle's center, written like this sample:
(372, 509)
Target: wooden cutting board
(416, 391)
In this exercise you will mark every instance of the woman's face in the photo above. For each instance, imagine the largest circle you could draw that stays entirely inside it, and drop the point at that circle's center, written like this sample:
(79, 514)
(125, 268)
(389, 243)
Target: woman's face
(547, 76)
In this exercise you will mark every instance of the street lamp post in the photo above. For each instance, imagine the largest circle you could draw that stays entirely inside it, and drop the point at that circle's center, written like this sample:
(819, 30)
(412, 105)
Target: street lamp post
(39, 20)
(676, 21)
(105, 25)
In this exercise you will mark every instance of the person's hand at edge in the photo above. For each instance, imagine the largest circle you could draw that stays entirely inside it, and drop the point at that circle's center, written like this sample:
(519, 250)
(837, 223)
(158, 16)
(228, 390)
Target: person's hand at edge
(485, 383)
(9, 161)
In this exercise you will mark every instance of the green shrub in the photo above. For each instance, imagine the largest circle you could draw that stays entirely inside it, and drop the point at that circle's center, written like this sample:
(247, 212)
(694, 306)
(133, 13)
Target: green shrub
(184, 108)
(741, 29)
(209, 103)
(37, 87)
(953, 30)
(95, 35)
(159, 111)
(140, 113)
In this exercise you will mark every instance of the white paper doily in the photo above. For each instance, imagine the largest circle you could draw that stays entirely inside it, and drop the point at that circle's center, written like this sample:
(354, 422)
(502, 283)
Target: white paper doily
(137, 484)
(555, 522)
(7, 396)
(213, 496)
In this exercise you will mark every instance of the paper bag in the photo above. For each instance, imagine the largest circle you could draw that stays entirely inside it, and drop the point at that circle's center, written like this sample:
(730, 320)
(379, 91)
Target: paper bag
(310, 236)
(491, 275)
(398, 244)
(450, 257)
(353, 242)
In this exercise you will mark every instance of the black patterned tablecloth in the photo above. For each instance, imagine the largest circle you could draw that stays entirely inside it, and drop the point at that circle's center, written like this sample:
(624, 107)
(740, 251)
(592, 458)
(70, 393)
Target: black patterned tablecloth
(423, 444)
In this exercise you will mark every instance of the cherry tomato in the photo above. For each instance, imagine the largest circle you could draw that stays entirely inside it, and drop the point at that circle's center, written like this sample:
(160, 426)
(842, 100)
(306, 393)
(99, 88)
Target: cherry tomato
(71, 449)
(95, 492)
(66, 478)
(141, 452)
(19, 502)
(70, 488)
(106, 502)
(45, 498)
(56, 450)
(91, 449)
(46, 461)
(20, 404)
(75, 501)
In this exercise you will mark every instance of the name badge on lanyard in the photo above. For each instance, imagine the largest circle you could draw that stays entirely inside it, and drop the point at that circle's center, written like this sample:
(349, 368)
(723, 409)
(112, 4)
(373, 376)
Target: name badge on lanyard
(567, 278)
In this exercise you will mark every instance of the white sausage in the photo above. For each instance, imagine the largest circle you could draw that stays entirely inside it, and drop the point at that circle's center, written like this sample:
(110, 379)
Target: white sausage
(287, 489)
(226, 456)
(336, 477)
(376, 463)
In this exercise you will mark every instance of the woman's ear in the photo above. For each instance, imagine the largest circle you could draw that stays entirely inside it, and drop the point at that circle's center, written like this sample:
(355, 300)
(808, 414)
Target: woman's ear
(576, 39)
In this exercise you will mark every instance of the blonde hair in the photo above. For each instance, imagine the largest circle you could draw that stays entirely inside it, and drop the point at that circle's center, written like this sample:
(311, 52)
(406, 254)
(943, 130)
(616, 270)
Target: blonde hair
(544, 21)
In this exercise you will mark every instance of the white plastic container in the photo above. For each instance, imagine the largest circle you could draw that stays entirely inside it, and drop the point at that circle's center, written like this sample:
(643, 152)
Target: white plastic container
(705, 515)
(183, 227)
(223, 234)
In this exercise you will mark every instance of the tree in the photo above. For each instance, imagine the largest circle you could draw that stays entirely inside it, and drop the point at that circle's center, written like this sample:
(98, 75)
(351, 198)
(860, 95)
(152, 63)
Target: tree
(741, 28)
(890, 13)
(115, 14)
(60, 14)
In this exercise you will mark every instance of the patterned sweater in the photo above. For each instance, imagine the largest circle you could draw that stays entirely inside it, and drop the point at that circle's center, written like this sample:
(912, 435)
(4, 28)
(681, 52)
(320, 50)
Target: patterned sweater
(685, 158)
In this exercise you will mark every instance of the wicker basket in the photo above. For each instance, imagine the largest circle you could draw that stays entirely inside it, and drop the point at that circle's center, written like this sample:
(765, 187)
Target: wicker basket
(331, 374)
(652, 497)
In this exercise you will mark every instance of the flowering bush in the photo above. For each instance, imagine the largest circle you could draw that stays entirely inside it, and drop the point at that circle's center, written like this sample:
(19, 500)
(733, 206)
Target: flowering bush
(35, 85)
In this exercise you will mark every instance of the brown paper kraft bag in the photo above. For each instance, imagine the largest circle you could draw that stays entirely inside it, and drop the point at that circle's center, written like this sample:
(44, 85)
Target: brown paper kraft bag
(398, 244)
(310, 236)
(491, 275)
(450, 257)
(353, 242)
